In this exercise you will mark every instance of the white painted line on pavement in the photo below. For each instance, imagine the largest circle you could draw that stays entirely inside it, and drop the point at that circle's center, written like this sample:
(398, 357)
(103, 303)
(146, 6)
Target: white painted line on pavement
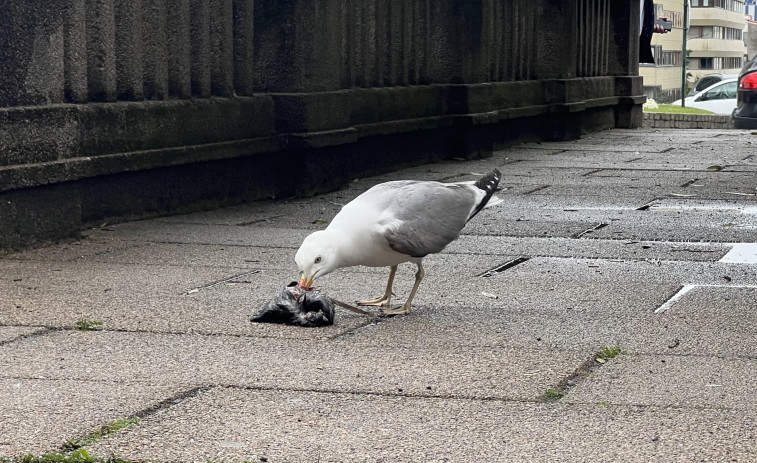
(741, 253)
(669, 303)
(686, 288)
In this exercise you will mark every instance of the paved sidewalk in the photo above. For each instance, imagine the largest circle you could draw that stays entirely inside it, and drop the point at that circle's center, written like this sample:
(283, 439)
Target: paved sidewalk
(631, 241)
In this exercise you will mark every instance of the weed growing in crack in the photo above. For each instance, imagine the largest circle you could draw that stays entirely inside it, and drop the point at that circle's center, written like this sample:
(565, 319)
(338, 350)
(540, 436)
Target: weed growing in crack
(88, 325)
(608, 352)
(554, 394)
(77, 456)
(117, 425)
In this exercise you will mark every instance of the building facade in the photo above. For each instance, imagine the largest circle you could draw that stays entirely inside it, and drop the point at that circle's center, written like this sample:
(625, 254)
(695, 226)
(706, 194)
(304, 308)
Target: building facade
(662, 80)
(715, 44)
(716, 37)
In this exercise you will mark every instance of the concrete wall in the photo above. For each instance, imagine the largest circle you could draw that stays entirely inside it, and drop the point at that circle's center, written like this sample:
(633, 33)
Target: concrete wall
(114, 109)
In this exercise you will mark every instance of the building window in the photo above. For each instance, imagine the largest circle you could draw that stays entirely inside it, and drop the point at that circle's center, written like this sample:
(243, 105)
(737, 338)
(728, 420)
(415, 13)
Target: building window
(670, 58)
(715, 32)
(731, 5)
(716, 63)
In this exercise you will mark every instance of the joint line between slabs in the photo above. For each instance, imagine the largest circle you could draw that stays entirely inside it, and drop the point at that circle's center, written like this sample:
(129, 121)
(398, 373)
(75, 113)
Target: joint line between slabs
(220, 282)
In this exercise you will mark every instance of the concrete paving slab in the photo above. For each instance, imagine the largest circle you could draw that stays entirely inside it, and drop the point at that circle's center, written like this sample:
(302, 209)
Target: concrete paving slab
(37, 293)
(588, 248)
(40, 415)
(256, 258)
(722, 226)
(162, 232)
(671, 381)
(735, 230)
(444, 371)
(276, 426)
(576, 202)
(70, 251)
(712, 320)
(146, 305)
(202, 255)
(689, 205)
(11, 333)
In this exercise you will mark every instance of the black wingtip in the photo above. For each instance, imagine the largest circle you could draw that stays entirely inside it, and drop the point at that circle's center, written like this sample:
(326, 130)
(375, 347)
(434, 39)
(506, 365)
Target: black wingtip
(488, 183)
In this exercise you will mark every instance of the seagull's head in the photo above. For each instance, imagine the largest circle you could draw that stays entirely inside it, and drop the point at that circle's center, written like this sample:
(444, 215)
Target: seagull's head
(316, 257)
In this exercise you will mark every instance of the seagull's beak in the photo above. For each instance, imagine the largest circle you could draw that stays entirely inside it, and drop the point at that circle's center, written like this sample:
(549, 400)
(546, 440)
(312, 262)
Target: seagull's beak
(306, 282)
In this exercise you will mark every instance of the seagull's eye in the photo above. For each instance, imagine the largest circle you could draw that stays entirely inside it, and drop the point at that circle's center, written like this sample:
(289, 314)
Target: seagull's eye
(318, 260)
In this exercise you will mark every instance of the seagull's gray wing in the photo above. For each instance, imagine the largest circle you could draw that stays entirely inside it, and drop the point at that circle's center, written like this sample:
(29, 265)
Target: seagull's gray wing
(424, 217)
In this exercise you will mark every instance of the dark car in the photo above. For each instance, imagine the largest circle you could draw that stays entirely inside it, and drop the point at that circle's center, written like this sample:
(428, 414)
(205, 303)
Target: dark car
(745, 114)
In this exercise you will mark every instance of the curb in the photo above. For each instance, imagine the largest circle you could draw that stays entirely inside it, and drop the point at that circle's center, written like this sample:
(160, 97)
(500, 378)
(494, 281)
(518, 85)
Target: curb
(686, 121)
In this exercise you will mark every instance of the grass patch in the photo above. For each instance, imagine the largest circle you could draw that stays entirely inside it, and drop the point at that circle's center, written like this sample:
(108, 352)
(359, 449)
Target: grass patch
(76, 444)
(88, 325)
(554, 394)
(669, 108)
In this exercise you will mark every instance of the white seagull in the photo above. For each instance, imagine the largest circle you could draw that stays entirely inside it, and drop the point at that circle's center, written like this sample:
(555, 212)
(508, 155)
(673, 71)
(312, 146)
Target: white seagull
(392, 223)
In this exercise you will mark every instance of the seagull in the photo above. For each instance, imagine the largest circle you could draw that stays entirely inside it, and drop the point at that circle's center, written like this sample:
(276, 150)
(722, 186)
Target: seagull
(392, 223)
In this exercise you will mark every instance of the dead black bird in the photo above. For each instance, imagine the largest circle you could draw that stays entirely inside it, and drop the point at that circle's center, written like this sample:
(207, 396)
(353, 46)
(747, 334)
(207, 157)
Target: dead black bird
(296, 306)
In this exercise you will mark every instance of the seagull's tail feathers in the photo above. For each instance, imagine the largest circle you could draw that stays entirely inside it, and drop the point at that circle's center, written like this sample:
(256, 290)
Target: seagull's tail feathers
(488, 183)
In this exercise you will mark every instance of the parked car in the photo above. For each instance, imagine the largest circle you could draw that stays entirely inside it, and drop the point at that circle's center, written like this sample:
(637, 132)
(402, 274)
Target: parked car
(709, 80)
(745, 114)
(719, 98)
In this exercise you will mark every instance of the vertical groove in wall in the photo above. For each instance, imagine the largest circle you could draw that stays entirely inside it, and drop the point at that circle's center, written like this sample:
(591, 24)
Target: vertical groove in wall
(522, 40)
(381, 20)
(101, 57)
(605, 37)
(490, 19)
(517, 37)
(350, 49)
(243, 47)
(405, 40)
(358, 50)
(179, 49)
(593, 21)
(345, 79)
(154, 49)
(419, 41)
(498, 25)
(200, 47)
(531, 41)
(507, 40)
(129, 68)
(591, 25)
(369, 20)
(579, 17)
(75, 52)
(395, 41)
(426, 50)
(221, 51)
